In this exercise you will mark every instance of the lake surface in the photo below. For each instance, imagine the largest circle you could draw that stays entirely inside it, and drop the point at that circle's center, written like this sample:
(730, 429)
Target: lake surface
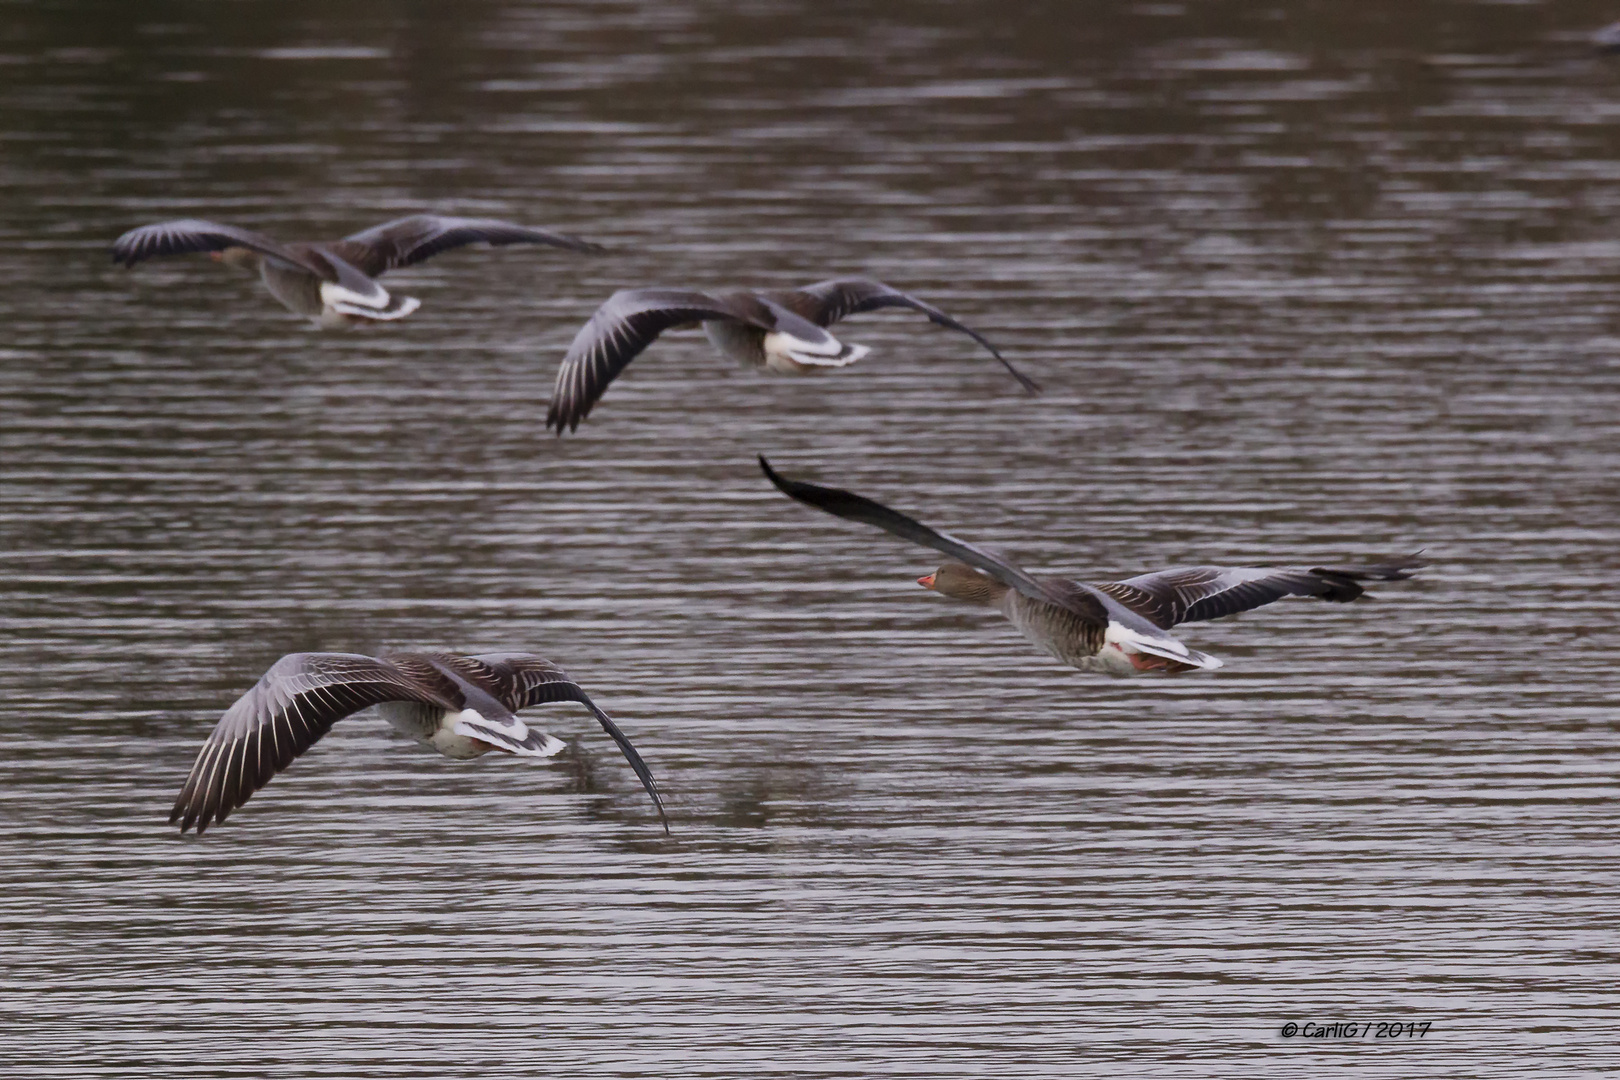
(1303, 283)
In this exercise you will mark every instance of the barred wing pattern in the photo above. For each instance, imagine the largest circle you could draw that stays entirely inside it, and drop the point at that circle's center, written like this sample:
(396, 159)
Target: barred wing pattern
(1070, 596)
(409, 240)
(517, 680)
(1196, 593)
(523, 679)
(621, 328)
(826, 302)
(287, 711)
(189, 236)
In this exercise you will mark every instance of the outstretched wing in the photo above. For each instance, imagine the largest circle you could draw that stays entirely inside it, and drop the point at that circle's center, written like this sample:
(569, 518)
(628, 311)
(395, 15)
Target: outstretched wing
(287, 711)
(1195, 593)
(847, 504)
(523, 679)
(408, 240)
(189, 236)
(826, 302)
(627, 323)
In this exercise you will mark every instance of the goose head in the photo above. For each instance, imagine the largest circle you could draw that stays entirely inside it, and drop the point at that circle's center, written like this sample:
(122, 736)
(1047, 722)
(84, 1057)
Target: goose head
(961, 582)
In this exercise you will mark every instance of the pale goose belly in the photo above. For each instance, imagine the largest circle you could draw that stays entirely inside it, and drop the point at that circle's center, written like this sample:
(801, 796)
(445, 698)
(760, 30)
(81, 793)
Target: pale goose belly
(298, 290)
(744, 344)
(1065, 637)
(434, 727)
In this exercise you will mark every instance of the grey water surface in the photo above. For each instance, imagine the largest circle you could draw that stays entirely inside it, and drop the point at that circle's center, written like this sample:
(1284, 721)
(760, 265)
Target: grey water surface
(1302, 282)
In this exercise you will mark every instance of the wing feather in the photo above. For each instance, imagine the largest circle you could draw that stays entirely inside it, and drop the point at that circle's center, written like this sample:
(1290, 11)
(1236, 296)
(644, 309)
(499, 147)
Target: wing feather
(616, 334)
(316, 689)
(409, 240)
(187, 236)
(1196, 593)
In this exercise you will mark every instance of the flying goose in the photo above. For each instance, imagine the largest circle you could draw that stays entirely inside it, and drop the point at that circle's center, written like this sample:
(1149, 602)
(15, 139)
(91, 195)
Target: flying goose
(779, 330)
(462, 706)
(1117, 627)
(334, 282)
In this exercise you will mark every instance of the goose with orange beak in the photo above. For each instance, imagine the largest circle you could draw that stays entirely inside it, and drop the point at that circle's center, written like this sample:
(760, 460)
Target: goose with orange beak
(1114, 627)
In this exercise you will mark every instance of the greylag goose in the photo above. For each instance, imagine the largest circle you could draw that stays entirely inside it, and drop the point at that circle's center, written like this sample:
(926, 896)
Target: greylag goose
(779, 330)
(1116, 627)
(334, 282)
(461, 706)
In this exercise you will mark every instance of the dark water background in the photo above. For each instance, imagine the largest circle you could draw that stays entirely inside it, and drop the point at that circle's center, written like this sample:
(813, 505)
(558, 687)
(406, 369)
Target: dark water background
(1303, 282)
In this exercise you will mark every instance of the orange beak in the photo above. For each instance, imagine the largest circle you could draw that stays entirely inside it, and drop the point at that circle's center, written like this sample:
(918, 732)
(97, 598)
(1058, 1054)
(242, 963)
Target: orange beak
(926, 582)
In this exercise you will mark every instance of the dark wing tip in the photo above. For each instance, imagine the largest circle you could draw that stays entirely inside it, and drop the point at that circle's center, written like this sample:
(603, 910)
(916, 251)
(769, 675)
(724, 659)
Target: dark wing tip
(631, 754)
(563, 420)
(505, 233)
(187, 813)
(1030, 386)
(556, 416)
(850, 506)
(1399, 569)
(810, 494)
(126, 249)
(795, 488)
(835, 501)
(184, 812)
(938, 317)
(566, 241)
(1344, 581)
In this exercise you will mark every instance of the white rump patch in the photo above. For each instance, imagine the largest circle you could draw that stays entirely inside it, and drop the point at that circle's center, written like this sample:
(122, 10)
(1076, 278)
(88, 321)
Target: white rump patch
(1128, 641)
(801, 353)
(511, 735)
(339, 314)
(381, 307)
(783, 342)
(850, 354)
(334, 293)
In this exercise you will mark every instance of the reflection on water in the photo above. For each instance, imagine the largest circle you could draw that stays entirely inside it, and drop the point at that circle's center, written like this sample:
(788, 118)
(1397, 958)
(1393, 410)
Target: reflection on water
(1300, 285)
